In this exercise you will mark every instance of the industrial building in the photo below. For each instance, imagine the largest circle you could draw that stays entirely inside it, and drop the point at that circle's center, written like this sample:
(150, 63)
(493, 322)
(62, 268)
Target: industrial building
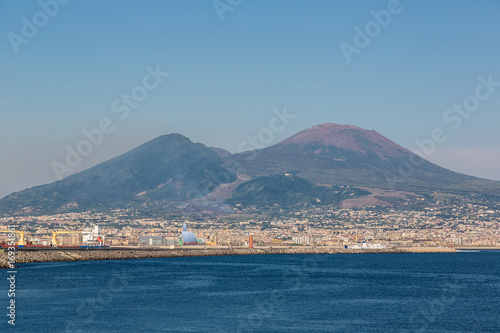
(157, 240)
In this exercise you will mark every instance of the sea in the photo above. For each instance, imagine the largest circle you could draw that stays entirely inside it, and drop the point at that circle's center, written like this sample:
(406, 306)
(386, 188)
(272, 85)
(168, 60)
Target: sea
(449, 292)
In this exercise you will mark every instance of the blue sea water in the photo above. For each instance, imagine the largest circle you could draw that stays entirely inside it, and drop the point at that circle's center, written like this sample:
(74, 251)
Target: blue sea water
(272, 293)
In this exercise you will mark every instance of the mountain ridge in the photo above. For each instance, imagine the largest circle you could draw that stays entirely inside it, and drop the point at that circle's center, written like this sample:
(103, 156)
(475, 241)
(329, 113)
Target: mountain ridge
(172, 168)
(167, 168)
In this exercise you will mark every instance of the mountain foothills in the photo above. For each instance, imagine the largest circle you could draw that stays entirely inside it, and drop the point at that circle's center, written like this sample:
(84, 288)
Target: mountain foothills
(324, 165)
(287, 191)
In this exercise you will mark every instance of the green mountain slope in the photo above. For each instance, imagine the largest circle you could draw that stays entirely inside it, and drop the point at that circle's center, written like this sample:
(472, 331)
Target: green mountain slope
(287, 191)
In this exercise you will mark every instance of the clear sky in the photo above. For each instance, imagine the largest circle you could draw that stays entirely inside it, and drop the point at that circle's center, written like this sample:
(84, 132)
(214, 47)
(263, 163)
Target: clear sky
(66, 68)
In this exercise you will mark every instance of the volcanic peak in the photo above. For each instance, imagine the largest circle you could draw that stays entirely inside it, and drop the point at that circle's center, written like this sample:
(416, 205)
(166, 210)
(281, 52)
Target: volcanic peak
(347, 137)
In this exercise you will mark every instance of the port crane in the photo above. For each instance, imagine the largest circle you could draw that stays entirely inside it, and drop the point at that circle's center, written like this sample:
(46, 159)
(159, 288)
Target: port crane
(56, 233)
(90, 236)
(21, 241)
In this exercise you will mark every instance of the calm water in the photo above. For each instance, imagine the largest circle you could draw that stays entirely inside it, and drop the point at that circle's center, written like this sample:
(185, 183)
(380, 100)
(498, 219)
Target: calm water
(276, 293)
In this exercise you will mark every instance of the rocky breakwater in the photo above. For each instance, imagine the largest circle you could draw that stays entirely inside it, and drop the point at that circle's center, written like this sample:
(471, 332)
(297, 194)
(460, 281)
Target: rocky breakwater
(54, 255)
(3, 262)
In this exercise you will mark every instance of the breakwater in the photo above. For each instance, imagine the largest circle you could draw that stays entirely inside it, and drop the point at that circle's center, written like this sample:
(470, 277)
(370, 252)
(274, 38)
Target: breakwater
(36, 256)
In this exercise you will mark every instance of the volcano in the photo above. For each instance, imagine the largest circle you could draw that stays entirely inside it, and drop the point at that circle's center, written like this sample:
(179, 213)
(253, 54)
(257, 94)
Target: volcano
(349, 155)
(171, 168)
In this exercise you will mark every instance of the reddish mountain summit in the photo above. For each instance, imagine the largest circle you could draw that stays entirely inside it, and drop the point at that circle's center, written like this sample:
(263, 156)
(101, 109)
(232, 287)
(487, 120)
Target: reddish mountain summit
(347, 137)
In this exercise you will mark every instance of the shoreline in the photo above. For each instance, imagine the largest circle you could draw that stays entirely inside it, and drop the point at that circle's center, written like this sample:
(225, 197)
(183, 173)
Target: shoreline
(62, 255)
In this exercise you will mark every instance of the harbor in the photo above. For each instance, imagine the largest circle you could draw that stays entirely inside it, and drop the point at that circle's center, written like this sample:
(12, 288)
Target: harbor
(40, 255)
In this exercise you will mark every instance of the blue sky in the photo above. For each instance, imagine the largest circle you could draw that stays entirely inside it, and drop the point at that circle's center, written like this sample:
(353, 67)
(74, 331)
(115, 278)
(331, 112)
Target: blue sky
(227, 76)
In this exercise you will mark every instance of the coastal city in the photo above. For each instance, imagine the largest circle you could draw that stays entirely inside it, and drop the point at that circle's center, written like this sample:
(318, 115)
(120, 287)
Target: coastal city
(439, 224)
(250, 166)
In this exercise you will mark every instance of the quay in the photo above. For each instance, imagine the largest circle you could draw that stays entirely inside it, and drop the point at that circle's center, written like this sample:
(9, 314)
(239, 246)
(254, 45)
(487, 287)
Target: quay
(33, 255)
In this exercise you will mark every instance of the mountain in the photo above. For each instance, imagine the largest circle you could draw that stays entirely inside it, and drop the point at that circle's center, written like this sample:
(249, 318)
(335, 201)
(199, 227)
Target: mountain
(221, 152)
(287, 190)
(347, 137)
(168, 168)
(322, 159)
(348, 155)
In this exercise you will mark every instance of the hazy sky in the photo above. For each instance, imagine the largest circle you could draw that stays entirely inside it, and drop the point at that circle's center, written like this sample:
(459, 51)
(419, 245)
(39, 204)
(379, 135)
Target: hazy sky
(395, 67)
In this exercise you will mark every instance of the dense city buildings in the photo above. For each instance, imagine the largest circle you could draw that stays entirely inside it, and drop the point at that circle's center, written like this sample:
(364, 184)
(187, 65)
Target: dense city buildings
(435, 224)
